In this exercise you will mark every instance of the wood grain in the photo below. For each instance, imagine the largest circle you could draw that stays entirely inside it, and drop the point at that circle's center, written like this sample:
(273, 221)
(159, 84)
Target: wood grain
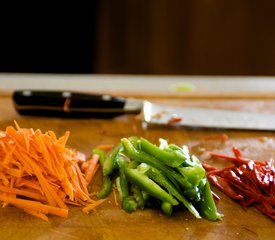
(210, 37)
(109, 221)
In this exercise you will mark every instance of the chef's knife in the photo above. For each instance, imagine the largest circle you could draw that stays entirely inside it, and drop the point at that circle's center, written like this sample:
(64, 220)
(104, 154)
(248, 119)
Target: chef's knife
(67, 104)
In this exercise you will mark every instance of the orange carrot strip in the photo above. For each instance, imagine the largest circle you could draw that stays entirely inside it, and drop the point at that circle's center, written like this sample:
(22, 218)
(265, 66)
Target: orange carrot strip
(8, 158)
(36, 214)
(84, 165)
(14, 172)
(53, 135)
(222, 137)
(92, 206)
(106, 147)
(45, 154)
(82, 181)
(43, 182)
(32, 184)
(4, 179)
(50, 193)
(90, 172)
(34, 205)
(22, 192)
(63, 140)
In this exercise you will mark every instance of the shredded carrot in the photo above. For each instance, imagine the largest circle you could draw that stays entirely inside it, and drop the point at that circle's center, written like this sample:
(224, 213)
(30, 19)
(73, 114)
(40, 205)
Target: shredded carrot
(40, 175)
(106, 147)
(35, 206)
(91, 169)
(222, 137)
(37, 214)
(84, 165)
(93, 206)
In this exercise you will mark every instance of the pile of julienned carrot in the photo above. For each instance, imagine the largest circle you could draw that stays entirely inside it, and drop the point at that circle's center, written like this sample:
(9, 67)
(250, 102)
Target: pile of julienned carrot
(42, 176)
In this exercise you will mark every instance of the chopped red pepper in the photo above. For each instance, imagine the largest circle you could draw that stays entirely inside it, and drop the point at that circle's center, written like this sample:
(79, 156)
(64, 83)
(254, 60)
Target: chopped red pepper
(247, 181)
(208, 167)
(237, 152)
(175, 119)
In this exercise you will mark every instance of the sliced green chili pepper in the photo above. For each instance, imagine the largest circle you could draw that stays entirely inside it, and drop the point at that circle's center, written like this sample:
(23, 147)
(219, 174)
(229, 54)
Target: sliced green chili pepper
(133, 164)
(207, 204)
(129, 204)
(167, 208)
(193, 174)
(106, 183)
(109, 163)
(181, 151)
(102, 155)
(164, 176)
(158, 177)
(149, 186)
(120, 194)
(106, 187)
(138, 195)
(122, 178)
(145, 195)
(193, 194)
(141, 156)
(172, 159)
(135, 141)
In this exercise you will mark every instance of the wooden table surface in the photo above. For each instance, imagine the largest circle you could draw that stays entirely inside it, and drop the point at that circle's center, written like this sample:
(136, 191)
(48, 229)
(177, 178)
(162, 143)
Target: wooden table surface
(109, 221)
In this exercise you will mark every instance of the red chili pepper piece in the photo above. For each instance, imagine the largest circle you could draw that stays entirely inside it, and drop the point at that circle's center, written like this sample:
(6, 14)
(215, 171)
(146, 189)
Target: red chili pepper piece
(208, 167)
(223, 185)
(266, 209)
(237, 152)
(175, 119)
(247, 181)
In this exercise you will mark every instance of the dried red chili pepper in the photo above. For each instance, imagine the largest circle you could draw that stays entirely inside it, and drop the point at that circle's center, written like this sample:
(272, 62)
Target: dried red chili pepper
(247, 181)
(175, 119)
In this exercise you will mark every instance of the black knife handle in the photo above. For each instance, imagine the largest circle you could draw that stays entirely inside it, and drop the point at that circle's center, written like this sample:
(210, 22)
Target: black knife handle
(67, 104)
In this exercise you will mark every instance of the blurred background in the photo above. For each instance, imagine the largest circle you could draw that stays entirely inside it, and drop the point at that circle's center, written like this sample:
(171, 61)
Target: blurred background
(177, 37)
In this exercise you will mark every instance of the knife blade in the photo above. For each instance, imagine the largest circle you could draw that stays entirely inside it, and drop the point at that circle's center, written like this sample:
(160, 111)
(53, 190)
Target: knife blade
(157, 114)
(67, 104)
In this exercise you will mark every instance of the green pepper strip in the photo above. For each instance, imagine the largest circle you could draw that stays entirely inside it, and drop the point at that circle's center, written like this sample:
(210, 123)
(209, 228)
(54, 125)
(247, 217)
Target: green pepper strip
(102, 155)
(129, 204)
(158, 177)
(166, 208)
(193, 174)
(144, 157)
(107, 183)
(207, 204)
(192, 194)
(172, 159)
(122, 178)
(138, 195)
(120, 194)
(146, 184)
(181, 151)
(109, 164)
(106, 187)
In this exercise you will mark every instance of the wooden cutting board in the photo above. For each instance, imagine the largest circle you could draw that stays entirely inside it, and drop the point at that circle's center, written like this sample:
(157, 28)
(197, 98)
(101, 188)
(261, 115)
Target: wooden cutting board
(109, 221)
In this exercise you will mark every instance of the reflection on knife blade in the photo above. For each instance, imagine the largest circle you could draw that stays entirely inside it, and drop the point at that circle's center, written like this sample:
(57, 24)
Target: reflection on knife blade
(157, 114)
